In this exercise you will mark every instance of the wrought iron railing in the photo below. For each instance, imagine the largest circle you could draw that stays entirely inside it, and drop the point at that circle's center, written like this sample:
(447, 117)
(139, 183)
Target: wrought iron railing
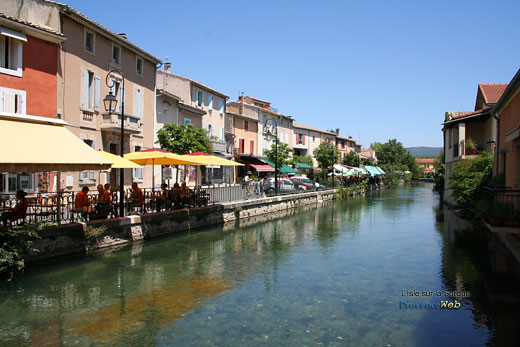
(503, 196)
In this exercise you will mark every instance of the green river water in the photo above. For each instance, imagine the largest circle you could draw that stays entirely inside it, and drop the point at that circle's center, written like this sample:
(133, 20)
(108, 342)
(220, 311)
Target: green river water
(330, 275)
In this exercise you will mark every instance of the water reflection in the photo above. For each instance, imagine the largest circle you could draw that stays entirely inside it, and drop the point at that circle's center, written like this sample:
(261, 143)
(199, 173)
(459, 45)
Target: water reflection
(326, 275)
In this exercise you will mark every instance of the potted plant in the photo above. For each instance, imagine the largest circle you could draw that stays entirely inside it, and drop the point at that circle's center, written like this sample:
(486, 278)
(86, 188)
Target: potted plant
(470, 147)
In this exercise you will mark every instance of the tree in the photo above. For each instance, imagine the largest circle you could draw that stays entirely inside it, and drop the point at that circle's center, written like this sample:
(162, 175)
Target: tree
(351, 159)
(326, 155)
(307, 159)
(392, 156)
(468, 179)
(438, 176)
(184, 139)
(283, 155)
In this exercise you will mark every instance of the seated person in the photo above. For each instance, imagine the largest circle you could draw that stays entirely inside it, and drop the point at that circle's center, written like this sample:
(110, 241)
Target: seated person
(82, 203)
(19, 211)
(136, 198)
(164, 201)
(185, 194)
(176, 194)
(104, 205)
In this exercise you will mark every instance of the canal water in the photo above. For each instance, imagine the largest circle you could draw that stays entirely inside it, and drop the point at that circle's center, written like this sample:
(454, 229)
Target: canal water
(367, 271)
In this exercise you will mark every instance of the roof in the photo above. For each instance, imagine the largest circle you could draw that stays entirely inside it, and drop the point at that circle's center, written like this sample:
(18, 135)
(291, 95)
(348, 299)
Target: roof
(301, 126)
(32, 25)
(191, 109)
(508, 94)
(199, 84)
(170, 95)
(425, 160)
(249, 118)
(492, 92)
(67, 10)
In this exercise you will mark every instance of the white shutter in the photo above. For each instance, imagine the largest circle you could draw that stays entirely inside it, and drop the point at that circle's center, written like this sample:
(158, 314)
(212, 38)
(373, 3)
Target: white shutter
(210, 101)
(1, 104)
(96, 93)
(85, 95)
(20, 101)
(92, 174)
(196, 97)
(9, 102)
(138, 103)
(222, 134)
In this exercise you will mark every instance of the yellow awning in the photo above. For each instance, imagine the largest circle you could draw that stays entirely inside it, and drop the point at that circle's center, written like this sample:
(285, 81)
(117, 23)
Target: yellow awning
(119, 162)
(27, 146)
(212, 160)
(159, 157)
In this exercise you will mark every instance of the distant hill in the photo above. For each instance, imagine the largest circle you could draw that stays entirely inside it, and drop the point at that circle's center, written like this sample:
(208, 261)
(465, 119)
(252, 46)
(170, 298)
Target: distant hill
(424, 151)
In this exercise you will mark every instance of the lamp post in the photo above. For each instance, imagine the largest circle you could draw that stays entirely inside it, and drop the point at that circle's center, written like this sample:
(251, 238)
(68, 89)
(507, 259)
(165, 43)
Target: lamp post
(110, 103)
(270, 130)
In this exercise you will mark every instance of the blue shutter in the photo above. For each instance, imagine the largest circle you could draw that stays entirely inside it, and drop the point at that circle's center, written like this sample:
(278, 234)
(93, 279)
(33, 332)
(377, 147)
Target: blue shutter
(96, 93)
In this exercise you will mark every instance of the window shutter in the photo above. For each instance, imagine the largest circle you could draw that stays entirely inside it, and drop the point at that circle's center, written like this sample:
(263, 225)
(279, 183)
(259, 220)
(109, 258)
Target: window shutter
(241, 146)
(303, 138)
(85, 88)
(221, 106)
(246, 125)
(96, 93)
(9, 102)
(138, 103)
(210, 101)
(2, 101)
(196, 97)
(222, 134)
(252, 146)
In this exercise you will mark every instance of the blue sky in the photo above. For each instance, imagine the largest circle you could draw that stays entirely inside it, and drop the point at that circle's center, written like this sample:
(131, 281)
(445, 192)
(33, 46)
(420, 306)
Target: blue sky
(375, 69)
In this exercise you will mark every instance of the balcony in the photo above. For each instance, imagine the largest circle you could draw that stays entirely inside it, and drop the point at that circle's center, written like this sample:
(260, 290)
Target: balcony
(481, 145)
(218, 146)
(112, 123)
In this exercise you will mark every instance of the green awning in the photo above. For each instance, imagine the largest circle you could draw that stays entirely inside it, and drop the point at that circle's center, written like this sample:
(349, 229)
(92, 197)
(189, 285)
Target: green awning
(303, 166)
(268, 162)
(373, 171)
(380, 170)
(286, 169)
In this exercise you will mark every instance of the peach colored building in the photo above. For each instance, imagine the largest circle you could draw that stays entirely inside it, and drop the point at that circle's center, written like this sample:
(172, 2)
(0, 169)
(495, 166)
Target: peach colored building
(90, 52)
(478, 125)
(507, 158)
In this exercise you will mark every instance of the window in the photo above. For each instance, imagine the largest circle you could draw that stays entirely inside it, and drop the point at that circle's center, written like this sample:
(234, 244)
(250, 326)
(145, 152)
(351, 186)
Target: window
(187, 121)
(246, 125)
(241, 144)
(252, 146)
(90, 41)
(139, 66)
(301, 139)
(210, 129)
(11, 51)
(265, 119)
(12, 100)
(116, 54)
(91, 175)
(90, 92)
(210, 102)
(137, 173)
(199, 97)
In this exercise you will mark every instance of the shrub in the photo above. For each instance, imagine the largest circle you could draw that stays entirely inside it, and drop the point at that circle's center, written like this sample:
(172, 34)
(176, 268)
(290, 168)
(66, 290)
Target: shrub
(468, 179)
(15, 243)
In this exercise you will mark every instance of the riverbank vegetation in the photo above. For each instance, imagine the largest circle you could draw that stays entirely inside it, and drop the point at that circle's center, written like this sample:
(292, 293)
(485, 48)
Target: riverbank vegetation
(15, 243)
(468, 179)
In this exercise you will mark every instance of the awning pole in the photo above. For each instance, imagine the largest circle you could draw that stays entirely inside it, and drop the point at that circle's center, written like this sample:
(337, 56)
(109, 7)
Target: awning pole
(58, 199)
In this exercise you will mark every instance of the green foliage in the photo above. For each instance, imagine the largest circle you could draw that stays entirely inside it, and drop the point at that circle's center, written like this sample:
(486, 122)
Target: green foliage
(304, 159)
(326, 155)
(368, 161)
(392, 156)
(343, 192)
(468, 179)
(438, 176)
(391, 177)
(352, 159)
(184, 139)
(94, 232)
(470, 144)
(283, 156)
(15, 243)
(499, 180)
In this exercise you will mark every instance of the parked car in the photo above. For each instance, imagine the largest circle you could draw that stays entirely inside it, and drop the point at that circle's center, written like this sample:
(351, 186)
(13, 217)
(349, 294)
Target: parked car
(307, 183)
(284, 185)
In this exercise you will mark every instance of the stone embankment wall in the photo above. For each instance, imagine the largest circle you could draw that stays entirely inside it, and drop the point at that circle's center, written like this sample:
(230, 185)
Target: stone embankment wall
(84, 237)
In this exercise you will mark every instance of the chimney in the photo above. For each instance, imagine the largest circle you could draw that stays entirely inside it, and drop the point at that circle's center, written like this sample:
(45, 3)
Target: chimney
(168, 67)
(337, 131)
(242, 103)
(123, 36)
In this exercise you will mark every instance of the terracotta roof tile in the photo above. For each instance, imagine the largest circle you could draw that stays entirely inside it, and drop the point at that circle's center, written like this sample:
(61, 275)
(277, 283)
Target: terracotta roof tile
(492, 92)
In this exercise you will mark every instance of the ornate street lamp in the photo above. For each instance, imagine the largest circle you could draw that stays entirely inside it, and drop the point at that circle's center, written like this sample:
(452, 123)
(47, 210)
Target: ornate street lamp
(110, 103)
(271, 130)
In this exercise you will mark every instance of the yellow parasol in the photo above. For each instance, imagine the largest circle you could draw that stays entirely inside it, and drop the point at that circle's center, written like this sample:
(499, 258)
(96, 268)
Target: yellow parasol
(119, 162)
(208, 159)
